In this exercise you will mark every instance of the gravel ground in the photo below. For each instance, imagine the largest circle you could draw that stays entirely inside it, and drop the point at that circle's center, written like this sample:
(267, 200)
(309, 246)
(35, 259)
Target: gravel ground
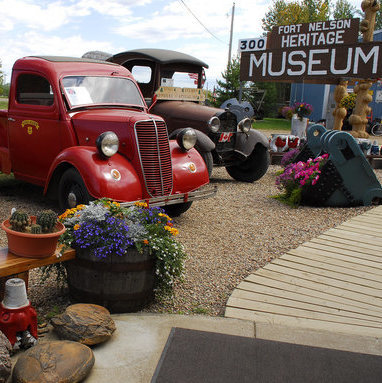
(226, 238)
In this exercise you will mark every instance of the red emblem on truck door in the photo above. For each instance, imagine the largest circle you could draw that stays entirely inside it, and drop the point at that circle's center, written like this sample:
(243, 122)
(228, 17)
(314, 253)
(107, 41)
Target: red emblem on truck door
(225, 137)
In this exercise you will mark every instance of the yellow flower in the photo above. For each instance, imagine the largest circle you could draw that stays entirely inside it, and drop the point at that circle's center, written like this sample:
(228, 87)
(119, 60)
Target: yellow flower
(174, 231)
(116, 204)
(141, 204)
(80, 207)
(76, 227)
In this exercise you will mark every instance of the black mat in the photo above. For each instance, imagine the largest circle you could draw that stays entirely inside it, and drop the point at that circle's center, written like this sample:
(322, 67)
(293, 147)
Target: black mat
(203, 357)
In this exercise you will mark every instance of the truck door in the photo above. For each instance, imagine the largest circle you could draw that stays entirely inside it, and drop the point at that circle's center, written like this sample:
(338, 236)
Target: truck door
(34, 127)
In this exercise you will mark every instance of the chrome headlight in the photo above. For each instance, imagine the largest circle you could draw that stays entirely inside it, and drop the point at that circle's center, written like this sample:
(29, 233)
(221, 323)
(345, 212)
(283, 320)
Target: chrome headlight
(186, 138)
(107, 144)
(214, 124)
(245, 125)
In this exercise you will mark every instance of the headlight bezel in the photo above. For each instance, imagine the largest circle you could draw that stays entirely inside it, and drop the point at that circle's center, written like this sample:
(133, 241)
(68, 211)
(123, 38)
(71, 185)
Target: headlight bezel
(186, 139)
(214, 124)
(107, 144)
(245, 125)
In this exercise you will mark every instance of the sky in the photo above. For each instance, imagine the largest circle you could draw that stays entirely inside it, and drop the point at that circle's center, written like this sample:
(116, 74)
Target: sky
(72, 28)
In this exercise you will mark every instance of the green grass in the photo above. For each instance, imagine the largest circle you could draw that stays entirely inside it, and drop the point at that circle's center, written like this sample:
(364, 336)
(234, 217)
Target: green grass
(3, 104)
(272, 124)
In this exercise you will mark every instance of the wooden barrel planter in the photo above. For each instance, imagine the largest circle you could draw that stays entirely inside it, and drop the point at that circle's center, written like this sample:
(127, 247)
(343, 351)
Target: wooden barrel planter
(119, 283)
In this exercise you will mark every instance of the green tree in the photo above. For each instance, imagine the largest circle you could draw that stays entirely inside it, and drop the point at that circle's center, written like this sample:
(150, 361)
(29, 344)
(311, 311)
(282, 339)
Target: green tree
(344, 10)
(378, 20)
(1, 80)
(230, 85)
(282, 12)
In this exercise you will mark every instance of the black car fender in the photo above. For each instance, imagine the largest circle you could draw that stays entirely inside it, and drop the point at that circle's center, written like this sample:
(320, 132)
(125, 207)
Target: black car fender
(203, 142)
(245, 142)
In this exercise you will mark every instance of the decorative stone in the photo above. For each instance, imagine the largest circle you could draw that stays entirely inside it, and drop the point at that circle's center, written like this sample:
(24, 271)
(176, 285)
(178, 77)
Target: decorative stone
(54, 362)
(85, 323)
(5, 358)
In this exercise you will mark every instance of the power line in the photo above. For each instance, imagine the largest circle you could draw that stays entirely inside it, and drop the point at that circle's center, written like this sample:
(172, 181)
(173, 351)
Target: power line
(189, 10)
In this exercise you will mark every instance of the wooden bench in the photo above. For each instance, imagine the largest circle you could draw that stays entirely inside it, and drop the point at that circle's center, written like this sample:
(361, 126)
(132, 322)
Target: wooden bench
(12, 266)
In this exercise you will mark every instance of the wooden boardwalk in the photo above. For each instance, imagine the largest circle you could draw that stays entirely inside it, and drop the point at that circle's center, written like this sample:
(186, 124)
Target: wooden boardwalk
(333, 282)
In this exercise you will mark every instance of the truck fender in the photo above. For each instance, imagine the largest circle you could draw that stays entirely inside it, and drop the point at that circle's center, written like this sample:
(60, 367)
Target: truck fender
(189, 169)
(246, 142)
(203, 142)
(114, 177)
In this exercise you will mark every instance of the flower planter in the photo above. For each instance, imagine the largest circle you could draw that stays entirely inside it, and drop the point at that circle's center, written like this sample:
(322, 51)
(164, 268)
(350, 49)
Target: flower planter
(329, 190)
(32, 245)
(119, 283)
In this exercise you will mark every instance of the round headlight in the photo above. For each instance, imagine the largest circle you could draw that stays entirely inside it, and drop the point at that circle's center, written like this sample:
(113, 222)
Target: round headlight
(245, 125)
(107, 144)
(186, 138)
(214, 124)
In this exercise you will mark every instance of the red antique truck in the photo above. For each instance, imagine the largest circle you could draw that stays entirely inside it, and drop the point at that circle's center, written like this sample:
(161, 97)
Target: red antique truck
(81, 129)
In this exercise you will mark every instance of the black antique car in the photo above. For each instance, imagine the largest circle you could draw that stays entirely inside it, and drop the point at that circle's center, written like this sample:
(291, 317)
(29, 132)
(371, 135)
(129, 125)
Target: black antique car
(171, 83)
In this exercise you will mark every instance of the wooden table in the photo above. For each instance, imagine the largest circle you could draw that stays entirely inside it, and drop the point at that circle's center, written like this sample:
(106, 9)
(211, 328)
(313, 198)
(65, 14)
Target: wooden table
(12, 266)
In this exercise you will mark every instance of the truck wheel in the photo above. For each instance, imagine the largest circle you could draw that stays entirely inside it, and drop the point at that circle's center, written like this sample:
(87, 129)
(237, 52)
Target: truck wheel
(253, 168)
(177, 209)
(72, 190)
(207, 157)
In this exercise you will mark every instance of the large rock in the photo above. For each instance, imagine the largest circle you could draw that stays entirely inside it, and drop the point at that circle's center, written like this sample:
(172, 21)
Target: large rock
(85, 323)
(54, 362)
(5, 358)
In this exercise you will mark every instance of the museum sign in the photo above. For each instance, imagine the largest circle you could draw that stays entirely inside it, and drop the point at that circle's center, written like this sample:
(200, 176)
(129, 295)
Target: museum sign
(319, 52)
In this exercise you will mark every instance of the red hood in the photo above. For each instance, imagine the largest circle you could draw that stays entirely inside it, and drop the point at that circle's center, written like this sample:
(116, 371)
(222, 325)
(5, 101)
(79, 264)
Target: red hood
(89, 124)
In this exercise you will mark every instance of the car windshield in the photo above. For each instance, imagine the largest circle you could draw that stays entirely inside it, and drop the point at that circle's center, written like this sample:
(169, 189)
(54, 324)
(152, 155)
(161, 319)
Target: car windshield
(95, 90)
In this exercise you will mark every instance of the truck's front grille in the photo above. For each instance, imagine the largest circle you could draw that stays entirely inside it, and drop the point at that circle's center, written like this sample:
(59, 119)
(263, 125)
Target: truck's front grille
(155, 157)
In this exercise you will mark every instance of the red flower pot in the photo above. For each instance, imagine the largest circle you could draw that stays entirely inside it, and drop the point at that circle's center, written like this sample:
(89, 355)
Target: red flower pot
(32, 245)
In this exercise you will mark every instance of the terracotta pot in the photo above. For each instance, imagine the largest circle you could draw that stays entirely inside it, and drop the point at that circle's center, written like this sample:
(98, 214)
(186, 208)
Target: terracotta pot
(32, 245)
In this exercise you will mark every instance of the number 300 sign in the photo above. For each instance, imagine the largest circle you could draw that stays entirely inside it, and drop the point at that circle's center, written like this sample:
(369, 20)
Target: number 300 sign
(256, 44)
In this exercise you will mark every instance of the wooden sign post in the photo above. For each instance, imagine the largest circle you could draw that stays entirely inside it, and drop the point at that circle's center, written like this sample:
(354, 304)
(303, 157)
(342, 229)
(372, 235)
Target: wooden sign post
(322, 52)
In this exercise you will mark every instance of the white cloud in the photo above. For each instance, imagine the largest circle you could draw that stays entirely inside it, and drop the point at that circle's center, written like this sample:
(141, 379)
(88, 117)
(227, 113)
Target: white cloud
(33, 43)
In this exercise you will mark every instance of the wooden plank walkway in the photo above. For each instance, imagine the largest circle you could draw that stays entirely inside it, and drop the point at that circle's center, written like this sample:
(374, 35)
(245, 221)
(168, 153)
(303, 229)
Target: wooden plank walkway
(333, 282)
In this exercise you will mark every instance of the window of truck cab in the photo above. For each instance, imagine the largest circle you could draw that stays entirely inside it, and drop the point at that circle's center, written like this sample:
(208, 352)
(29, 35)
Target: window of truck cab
(101, 90)
(33, 89)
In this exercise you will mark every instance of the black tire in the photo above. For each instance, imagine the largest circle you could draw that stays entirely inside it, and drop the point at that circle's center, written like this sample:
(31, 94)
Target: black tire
(376, 130)
(177, 209)
(72, 190)
(207, 157)
(253, 168)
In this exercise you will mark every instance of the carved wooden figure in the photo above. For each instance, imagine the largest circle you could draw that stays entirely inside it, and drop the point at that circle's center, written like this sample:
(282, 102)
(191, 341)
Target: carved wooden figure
(358, 119)
(339, 112)
(361, 110)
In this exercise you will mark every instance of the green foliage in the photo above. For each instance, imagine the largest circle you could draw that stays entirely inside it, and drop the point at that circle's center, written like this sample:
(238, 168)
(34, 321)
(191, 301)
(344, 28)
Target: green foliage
(343, 10)
(230, 85)
(47, 219)
(19, 220)
(283, 12)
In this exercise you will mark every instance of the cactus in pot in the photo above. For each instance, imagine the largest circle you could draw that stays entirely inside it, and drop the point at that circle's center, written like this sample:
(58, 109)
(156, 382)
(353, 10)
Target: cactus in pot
(47, 219)
(36, 229)
(19, 220)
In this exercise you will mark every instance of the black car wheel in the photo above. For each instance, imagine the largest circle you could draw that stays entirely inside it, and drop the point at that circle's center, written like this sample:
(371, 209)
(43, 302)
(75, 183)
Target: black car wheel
(253, 168)
(72, 190)
(177, 209)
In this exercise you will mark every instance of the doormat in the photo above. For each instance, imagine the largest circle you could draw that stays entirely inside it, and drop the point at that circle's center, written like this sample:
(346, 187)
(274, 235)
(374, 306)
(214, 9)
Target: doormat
(192, 356)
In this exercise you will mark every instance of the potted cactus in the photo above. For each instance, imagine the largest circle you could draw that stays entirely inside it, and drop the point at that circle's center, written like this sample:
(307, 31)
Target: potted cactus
(33, 236)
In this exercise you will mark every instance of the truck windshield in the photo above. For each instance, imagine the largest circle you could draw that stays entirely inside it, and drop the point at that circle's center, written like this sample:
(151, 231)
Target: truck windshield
(96, 90)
